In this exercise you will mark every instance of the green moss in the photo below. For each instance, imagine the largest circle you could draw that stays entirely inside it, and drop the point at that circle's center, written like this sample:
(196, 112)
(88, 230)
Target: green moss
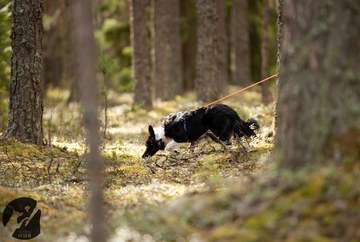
(227, 232)
(310, 205)
(312, 187)
(134, 169)
(266, 219)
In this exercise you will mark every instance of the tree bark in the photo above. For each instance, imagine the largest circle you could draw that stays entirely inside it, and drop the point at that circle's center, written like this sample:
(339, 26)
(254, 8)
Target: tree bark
(72, 64)
(188, 14)
(222, 45)
(240, 54)
(85, 48)
(25, 91)
(53, 39)
(167, 49)
(141, 53)
(265, 91)
(319, 84)
(279, 24)
(207, 59)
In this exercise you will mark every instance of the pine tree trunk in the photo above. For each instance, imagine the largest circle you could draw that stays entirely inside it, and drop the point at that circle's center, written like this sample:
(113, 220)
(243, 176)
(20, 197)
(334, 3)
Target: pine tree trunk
(69, 62)
(222, 46)
(265, 91)
(279, 23)
(207, 59)
(141, 52)
(240, 54)
(188, 14)
(167, 49)
(52, 64)
(72, 64)
(319, 85)
(26, 104)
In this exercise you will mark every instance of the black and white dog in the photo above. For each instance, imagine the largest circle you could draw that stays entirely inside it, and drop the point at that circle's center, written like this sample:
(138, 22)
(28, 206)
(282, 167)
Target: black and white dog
(181, 127)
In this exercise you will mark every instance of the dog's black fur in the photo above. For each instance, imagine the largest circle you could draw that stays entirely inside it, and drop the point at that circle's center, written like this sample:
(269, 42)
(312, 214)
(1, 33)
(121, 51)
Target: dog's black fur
(181, 127)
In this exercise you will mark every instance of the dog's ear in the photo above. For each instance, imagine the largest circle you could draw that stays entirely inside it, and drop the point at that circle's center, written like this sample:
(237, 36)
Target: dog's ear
(151, 131)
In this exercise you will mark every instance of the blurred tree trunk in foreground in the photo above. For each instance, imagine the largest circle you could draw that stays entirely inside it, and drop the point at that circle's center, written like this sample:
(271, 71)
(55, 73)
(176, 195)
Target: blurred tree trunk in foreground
(141, 52)
(207, 59)
(25, 92)
(240, 54)
(265, 72)
(318, 111)
(188, 14)
(167, 49)
(85, 48)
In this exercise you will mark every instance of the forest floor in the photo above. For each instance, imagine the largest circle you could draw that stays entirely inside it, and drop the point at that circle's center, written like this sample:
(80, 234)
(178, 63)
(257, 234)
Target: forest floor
(210, 194)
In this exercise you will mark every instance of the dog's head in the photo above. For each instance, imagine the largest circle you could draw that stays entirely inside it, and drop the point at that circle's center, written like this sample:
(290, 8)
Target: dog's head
(153, 145)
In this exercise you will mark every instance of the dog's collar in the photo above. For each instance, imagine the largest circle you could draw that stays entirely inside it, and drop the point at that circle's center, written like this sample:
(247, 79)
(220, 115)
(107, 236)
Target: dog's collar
(161, 144)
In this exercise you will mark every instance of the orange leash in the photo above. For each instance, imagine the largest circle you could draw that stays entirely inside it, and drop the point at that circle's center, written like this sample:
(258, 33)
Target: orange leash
(241, 90)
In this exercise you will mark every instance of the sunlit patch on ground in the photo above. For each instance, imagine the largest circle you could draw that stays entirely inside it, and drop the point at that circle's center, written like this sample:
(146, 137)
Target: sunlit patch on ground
(156, 192)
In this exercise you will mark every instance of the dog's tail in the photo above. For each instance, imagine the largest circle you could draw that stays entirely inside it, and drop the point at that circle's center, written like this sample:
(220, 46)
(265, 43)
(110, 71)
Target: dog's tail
(247, 128)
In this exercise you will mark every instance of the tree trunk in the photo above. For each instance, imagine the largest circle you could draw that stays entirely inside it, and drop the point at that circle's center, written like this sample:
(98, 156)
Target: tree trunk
(319, 84)
(52, 64)
(223, 44)
(74, 87)
(141, 52)
(188, 14)
(167, 49)
(72, 54)
(265, 91)
(207, 59)
(85, 48)
(240, 54)
(279, 23)
(70, 63)
(26, 104)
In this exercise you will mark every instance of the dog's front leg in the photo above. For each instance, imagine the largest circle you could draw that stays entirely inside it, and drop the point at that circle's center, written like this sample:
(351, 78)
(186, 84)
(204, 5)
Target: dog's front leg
(193, 145)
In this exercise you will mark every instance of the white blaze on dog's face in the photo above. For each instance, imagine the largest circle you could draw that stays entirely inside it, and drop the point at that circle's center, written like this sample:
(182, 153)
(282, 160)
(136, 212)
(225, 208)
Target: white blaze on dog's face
(154, 142)
(159, 133)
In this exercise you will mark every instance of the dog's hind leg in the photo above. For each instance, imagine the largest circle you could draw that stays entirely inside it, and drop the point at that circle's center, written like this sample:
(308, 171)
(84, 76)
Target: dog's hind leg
(238, 141)
(194, 143)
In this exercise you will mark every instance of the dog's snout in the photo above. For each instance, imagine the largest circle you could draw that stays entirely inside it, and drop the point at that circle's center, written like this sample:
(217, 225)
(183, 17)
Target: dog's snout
(146, 154)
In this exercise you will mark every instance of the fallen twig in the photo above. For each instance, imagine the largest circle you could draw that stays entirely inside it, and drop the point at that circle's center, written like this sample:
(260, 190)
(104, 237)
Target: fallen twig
(153, 171)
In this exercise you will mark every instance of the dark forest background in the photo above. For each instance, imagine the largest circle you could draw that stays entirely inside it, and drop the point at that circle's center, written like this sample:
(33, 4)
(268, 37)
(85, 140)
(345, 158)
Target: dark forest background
(114, 51)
